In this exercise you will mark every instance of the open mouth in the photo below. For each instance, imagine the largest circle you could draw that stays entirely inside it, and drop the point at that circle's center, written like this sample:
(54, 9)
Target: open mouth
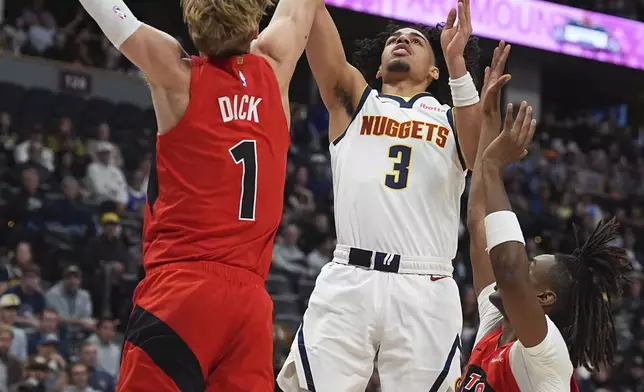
(402, 49)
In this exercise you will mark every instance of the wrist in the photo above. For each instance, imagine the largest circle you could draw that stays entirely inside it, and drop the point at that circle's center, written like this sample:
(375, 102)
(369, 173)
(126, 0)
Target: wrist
(456, 67)
(491, 166)
(464, 92)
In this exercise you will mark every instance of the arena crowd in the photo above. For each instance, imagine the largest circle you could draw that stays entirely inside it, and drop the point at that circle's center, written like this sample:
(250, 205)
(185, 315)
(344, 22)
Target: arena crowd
(72, 190)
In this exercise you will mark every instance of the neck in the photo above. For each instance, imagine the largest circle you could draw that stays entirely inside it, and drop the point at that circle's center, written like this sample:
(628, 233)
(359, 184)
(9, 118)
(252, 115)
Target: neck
(404, 88)
(508, 334)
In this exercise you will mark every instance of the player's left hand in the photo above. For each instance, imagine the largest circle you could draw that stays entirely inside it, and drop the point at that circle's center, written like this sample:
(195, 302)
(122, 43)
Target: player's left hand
(494, 80)
(511, 145)
(455, 35)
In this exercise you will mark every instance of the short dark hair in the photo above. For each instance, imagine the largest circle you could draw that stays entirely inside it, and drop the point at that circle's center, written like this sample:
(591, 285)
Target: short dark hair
(368, 53)
(586, 283)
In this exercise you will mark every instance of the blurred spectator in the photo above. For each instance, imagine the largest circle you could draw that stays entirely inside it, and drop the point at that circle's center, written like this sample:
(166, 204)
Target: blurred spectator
(321, 255)
(69, 216)
(72, 303)
(21, 259)
(10, 367)
(39, 155)
(9, 305)
(107, 250)
(79, 379)
(48, 327)
(25, 209)
(137, 194)
(103, 135)
(32, 300)
(99, 379)
(48, 348)
(36, 375)
(286, 254)
(108, 353)
(64, 140)
(105, 181)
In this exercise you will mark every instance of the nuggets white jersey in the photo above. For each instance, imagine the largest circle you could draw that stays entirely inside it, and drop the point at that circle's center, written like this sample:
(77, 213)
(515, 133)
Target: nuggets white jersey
(398, 177)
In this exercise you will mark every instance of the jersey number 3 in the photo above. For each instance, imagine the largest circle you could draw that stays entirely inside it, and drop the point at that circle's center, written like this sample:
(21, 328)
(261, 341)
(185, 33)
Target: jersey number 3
(401, 155)
(245, 152)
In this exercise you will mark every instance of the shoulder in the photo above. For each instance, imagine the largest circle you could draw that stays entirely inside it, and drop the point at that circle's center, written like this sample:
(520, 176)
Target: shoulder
(548, 360)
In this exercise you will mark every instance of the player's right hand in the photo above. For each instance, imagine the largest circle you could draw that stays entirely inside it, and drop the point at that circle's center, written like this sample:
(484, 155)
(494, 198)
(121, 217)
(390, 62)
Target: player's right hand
(511, 145)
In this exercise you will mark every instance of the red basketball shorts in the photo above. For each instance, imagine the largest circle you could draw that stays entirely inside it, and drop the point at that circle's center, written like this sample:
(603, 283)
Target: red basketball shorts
(199, 326)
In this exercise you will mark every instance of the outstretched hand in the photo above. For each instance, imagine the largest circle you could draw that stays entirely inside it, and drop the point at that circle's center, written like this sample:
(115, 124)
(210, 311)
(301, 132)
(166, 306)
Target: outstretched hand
(511, 145)
(455, 35)
(494, 80)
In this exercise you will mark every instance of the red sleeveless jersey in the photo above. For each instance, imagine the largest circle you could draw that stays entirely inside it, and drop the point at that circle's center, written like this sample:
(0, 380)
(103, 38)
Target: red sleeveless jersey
(216, 190)
(488, 369)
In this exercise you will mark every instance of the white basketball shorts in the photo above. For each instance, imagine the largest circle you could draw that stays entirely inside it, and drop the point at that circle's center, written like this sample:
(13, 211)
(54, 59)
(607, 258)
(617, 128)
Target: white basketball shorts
(410, 322)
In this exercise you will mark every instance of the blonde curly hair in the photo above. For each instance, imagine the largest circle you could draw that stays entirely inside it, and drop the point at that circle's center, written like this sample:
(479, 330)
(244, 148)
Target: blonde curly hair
(221, 28)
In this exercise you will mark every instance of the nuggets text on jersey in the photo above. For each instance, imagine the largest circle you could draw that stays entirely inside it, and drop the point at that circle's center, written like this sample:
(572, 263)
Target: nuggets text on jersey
(380, 125)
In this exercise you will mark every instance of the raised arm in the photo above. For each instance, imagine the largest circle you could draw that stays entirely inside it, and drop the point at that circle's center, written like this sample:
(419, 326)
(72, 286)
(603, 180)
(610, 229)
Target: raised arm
(503, 232)
(283, 41)
(340, 84)
(156, 53)
(491, 126)
(455, 37)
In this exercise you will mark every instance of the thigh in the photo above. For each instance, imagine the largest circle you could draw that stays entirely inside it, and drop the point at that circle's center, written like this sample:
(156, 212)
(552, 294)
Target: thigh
(156, 359)
(420, 350)
(334, 348)
(247, 365)
(181, 322)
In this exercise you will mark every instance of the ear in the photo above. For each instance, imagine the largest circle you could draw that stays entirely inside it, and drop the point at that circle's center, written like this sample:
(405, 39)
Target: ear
(379, 74)
(434, 73)
(547, 298)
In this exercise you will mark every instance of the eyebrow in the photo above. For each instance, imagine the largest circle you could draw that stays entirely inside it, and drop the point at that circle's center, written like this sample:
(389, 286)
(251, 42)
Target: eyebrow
(415, 34)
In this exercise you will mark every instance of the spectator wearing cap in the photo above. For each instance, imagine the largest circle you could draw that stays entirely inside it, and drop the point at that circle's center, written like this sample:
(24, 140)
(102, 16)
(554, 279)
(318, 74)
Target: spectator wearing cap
(103, 135)
(106, 258)
(9, 305)
(10, 367)
(79, 379)
(32, 300)
(48, 327)
(105, 181)
(98, 378)
(48, 348)
(72, 303)
(108, 353)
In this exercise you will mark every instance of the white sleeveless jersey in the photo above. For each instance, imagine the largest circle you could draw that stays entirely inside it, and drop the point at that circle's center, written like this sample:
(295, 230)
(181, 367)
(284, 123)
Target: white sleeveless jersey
(398, 177)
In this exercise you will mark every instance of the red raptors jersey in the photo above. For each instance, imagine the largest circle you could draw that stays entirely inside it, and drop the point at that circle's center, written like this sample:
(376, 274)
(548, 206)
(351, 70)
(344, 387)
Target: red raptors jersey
(216, 190)
(488, 369)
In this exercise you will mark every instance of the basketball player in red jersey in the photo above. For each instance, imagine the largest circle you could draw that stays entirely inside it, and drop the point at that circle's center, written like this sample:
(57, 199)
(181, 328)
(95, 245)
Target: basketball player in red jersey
(202, 319)
(540, 318)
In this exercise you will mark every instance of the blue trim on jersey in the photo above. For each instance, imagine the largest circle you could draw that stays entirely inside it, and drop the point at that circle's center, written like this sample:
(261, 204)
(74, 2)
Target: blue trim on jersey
(363, 99)
(448, 363)
(450, 119)
(305, 359)
(404, 103)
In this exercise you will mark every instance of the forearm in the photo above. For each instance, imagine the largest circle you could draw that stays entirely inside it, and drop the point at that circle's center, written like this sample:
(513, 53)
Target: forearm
(468, 124)
(496, 199)
(114, 18)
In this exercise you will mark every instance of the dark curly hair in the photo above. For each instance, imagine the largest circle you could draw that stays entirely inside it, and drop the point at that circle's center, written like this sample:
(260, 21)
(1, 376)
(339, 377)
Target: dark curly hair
(369, 50)
(587, 282)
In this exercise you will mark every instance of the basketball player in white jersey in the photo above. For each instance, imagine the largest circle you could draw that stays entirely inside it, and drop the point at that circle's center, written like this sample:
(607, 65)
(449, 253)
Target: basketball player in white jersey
(399, 158)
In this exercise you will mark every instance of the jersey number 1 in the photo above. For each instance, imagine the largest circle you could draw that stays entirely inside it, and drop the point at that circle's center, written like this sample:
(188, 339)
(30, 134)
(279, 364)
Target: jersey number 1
(245, 152)
(401, 156)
